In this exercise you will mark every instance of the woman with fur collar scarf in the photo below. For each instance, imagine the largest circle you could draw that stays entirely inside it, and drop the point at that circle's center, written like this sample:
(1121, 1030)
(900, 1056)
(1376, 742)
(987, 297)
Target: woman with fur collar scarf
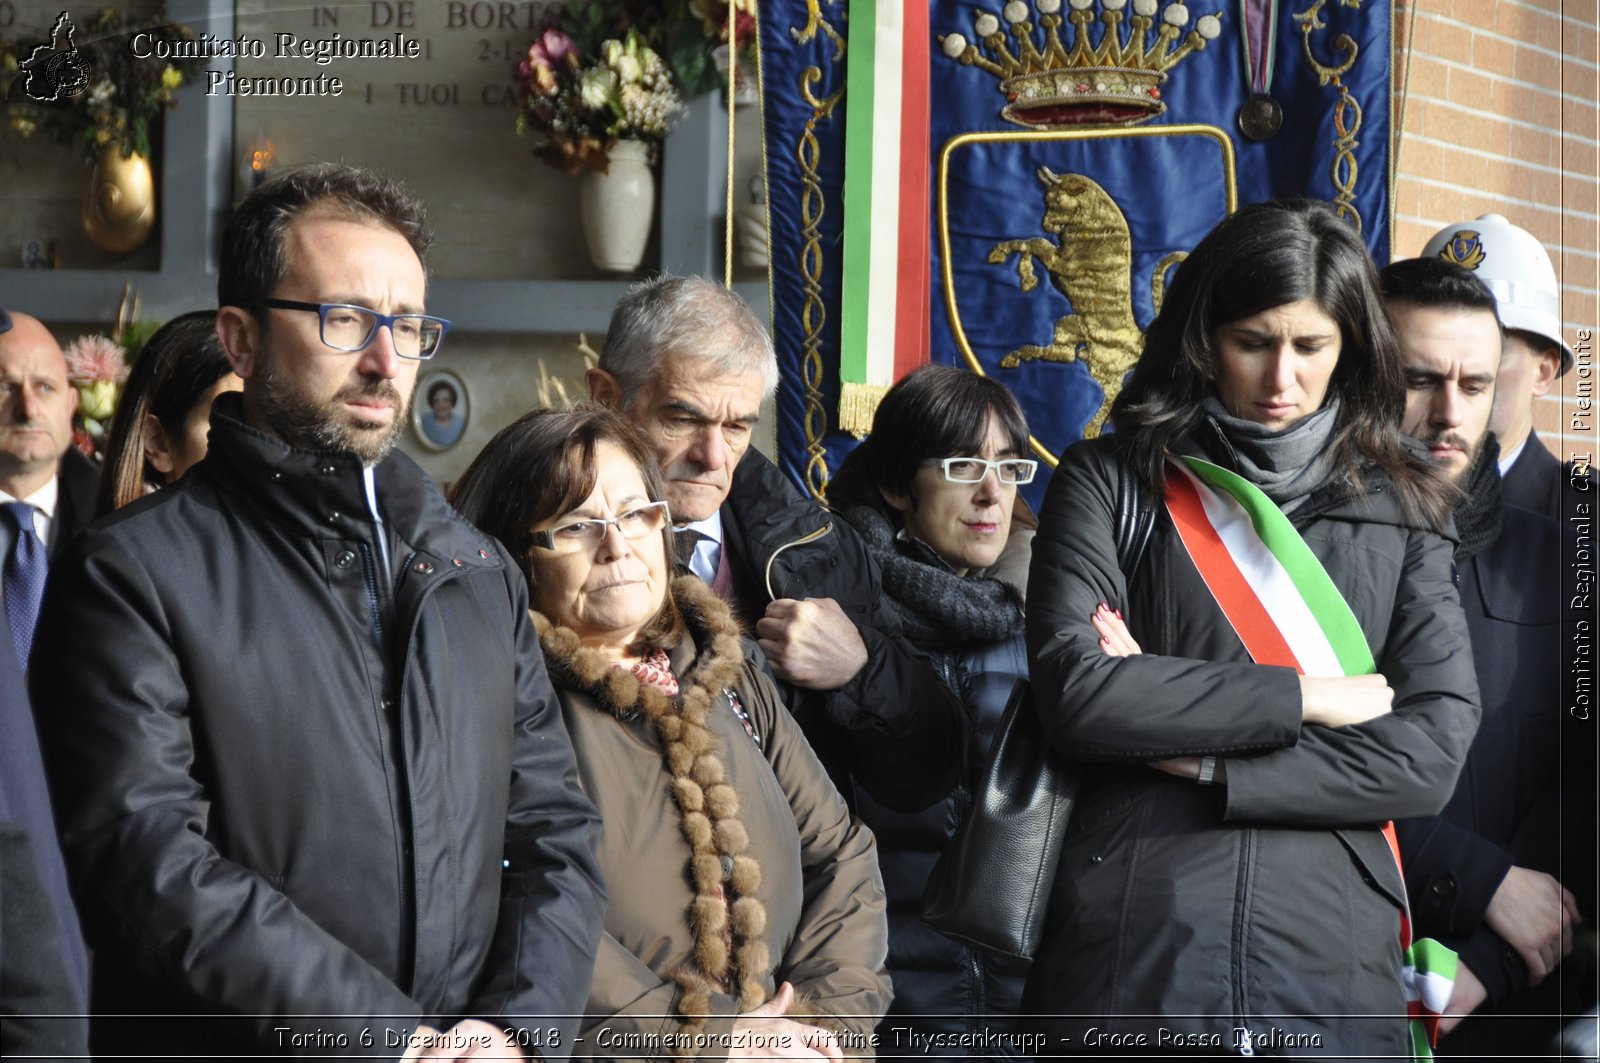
(746, 911)
(933, 493)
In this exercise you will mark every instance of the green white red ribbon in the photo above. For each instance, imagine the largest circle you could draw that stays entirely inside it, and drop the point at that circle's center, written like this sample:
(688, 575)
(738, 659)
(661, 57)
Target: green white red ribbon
(1287, 611)
(883, 314)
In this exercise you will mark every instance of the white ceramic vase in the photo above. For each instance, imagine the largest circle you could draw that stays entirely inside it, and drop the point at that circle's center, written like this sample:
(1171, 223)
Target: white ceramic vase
(617, 207)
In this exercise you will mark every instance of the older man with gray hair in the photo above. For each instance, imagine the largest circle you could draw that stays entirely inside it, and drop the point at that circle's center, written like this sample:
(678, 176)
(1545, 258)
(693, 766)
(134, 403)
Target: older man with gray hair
(690, 364)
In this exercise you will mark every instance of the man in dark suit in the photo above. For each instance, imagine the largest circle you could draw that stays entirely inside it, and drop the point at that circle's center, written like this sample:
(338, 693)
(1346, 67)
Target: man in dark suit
(1517, 269)
(43, 966)
(38, 463)
(1482, 874)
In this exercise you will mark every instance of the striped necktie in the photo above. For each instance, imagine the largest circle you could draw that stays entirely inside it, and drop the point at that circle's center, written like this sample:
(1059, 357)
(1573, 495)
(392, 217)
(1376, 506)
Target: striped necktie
(24, 580)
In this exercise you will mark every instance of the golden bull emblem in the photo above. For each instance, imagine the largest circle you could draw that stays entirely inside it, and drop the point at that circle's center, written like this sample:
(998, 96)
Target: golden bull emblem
(1091, 263)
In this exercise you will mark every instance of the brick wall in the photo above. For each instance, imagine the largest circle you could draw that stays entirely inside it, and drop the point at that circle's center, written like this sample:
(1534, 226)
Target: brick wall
(1500, 113)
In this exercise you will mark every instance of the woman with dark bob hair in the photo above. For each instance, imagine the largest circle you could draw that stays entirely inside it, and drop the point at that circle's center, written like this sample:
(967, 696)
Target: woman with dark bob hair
(164, 415)
(744, 899)
(1293, 670)
(933, 493)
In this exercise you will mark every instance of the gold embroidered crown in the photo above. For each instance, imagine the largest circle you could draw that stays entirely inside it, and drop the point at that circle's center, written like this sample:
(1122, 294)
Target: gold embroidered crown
(1116, 81)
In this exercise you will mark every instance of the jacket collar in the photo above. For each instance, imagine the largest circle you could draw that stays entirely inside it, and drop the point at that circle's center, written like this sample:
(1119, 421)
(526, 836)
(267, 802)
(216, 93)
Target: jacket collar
(766, 510)
(710, 654)
(320, 494)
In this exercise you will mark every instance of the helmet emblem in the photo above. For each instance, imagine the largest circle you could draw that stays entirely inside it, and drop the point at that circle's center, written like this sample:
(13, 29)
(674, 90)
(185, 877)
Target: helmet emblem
(1464, 249)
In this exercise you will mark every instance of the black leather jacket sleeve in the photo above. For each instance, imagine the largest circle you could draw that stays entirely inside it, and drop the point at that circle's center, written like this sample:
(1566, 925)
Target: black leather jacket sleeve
(552, 899)
(111, 698)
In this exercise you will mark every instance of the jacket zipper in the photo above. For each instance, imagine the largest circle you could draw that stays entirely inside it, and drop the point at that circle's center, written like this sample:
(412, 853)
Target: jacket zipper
(1241, 1024)
(369, 570)
(980, 1008)
(390, 708)
(408, 942)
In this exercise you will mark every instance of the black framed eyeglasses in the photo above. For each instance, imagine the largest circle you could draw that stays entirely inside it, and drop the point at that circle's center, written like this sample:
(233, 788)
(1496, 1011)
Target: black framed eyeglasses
(346, 327)
(585, 535)
(973, 470)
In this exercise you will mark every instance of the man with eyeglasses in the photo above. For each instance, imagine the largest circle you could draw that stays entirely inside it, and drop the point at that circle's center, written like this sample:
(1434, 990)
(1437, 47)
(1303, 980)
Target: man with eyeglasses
(687, 361)
(314, 790)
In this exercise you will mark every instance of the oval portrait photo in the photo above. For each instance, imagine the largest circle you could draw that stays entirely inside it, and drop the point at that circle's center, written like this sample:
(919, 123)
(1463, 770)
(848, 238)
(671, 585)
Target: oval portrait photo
(439, 412)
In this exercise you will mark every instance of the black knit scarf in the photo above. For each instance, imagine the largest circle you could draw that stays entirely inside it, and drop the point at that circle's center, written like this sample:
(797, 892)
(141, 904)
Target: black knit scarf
(1477, 512)
(936, 606)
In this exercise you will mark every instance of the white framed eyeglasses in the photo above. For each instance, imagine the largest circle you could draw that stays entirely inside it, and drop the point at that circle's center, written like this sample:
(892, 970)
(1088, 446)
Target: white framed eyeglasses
(973, 470)
(584, 535)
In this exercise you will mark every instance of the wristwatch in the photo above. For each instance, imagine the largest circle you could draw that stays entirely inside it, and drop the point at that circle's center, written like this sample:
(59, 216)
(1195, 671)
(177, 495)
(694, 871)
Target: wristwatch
(1208, 771)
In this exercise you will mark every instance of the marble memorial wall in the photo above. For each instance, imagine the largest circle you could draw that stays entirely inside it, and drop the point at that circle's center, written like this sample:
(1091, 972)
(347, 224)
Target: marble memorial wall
(432, 103)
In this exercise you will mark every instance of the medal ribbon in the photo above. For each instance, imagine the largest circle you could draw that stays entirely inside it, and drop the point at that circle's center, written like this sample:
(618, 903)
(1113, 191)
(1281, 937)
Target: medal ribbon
(1258, 37)
(1287, 611)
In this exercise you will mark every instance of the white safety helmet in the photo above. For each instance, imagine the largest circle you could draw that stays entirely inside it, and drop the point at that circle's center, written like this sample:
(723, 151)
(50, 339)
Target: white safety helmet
(1516, 268)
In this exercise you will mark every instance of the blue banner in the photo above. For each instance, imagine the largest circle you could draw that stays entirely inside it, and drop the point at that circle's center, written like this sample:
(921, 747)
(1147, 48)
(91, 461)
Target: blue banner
(1079, 149)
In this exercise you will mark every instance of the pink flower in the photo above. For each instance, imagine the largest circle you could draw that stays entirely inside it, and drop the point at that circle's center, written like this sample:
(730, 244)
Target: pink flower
(551, 47)
(95, 359)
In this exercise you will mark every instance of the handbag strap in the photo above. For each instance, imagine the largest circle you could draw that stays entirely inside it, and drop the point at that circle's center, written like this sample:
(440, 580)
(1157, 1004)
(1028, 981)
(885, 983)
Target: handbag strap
(1136, 518)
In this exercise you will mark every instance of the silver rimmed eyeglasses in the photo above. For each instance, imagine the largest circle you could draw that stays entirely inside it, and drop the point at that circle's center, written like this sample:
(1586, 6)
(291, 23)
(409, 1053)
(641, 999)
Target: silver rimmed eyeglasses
(973, 470)
(584, 535)
(346, 327)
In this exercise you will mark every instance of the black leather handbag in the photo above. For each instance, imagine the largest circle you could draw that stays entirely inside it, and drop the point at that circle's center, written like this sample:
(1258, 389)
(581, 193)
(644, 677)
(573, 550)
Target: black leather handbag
(991, 885)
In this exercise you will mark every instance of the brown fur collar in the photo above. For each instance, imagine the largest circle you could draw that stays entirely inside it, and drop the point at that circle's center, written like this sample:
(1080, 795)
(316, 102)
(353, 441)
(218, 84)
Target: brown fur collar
(708, 808)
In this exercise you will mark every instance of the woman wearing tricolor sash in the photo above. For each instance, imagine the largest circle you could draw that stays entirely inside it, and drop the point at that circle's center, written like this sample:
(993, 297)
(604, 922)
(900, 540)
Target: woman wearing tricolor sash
(1284, 668)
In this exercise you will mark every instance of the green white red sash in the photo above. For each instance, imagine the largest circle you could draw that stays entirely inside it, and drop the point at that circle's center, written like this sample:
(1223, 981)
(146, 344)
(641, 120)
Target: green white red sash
(1287, 611)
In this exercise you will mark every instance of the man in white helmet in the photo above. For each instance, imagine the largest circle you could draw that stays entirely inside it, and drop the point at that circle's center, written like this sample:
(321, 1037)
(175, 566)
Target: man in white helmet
(1518, 271)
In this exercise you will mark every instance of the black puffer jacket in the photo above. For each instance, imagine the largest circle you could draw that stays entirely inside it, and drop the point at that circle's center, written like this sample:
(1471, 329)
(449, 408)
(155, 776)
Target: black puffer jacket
(942, 987)
(895, 728)
(287, 785)
(1272, 903)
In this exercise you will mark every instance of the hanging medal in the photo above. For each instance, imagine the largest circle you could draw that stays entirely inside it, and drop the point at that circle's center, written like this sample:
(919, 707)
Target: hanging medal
(1261, 116)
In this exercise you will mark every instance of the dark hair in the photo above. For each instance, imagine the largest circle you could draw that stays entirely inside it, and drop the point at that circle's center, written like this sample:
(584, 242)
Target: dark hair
(180, 362)
(1267, 255)
(937, 411)
(541, 466)
(253, 256)
(443, 385)
(1434, 282)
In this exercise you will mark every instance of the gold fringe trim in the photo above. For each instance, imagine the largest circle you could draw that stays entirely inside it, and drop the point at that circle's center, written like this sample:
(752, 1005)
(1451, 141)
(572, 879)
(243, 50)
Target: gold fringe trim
(858, 405)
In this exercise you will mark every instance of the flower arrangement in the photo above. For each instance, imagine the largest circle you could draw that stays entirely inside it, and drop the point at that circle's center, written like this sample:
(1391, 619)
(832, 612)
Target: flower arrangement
(583, 90)
(97, 367)
(702, 46)
(124, 92)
